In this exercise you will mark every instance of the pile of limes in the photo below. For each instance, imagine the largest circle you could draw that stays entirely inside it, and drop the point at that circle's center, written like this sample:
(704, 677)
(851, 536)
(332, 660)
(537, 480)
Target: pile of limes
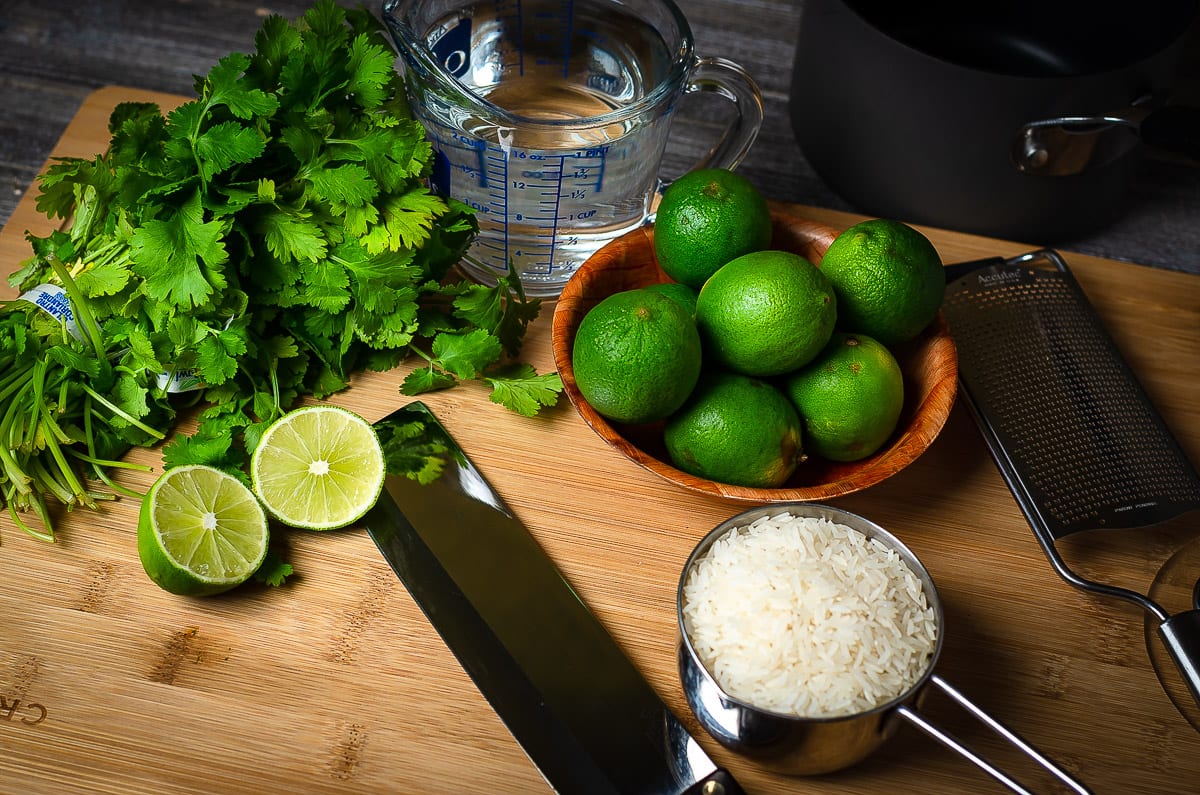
(754, 358)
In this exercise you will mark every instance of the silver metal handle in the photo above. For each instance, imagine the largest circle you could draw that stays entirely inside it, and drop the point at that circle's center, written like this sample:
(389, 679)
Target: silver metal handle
(950, 741)
(1181, 635)
(1069, 145)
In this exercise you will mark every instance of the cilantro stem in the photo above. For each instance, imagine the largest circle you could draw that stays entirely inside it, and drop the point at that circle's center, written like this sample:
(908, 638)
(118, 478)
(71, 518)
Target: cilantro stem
(15, 383)
(17, 476)
(70, 481)
(99, 468)
(107, 464)
(40, 508)
(134, 421)
(48, 483)
(82, 311)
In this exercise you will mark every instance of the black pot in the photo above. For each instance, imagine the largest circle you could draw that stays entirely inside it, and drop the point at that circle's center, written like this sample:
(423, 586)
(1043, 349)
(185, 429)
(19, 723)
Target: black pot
(1022, 120)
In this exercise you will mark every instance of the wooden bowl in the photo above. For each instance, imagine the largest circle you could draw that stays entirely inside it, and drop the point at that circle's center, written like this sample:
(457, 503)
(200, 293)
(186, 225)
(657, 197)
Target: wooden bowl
(929, 364)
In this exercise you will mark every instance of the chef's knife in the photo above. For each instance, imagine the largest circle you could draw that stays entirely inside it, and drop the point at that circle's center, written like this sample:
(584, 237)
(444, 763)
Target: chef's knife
(580, 709)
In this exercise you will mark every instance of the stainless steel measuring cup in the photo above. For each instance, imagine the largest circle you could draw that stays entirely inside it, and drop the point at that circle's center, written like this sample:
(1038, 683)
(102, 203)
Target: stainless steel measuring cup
(811, 746)
(550, 119)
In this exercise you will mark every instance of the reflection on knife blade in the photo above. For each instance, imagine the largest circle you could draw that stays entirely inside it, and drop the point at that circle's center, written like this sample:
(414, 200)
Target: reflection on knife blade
(580, 709)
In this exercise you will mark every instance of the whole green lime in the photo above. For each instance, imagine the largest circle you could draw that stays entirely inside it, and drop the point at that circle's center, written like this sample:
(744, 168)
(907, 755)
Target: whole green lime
(636, 356)
(849, 397)
(735, 429)
(766, 313)
(706, 218)
(888, 278)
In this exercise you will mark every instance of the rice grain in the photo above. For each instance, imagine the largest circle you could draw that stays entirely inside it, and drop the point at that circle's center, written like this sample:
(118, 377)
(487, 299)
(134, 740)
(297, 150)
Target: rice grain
(808, 617)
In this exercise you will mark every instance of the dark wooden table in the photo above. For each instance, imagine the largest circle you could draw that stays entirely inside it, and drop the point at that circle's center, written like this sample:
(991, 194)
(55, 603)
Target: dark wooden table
(54, 52)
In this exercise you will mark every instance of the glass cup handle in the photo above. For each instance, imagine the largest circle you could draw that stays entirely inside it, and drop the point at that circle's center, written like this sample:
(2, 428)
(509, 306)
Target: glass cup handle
(729, 81)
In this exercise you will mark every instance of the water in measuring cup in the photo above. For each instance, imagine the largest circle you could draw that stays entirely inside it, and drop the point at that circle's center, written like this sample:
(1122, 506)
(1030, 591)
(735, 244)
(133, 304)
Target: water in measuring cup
(546, 196)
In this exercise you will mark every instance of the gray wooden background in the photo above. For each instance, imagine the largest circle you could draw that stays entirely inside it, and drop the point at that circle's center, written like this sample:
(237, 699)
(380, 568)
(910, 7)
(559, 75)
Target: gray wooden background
(54, 52)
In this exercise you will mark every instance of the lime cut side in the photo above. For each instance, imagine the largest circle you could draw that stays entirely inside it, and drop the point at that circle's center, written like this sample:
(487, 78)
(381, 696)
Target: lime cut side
(318, 468)
(201, 531)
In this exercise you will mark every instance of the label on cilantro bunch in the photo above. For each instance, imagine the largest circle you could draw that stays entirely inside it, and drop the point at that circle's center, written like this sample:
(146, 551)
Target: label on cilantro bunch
(52, 299)
(185, 379)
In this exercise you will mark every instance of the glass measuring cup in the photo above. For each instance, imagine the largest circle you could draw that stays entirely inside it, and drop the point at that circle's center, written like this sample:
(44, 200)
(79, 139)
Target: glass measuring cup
(550, 119)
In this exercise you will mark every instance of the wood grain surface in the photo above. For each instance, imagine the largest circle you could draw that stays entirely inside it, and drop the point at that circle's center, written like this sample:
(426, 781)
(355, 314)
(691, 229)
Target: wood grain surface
(336, 683)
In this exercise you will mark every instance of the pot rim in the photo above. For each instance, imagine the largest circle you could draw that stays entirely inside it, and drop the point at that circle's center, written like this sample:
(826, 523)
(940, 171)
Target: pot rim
(1183, 22)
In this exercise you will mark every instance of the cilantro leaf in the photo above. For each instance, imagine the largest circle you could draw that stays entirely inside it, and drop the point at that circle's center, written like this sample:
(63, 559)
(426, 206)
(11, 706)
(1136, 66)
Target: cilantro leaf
(291, 237)
(223, 87)
(218, 355)
(217, 451)
(370, 72)
(465, 354)
(349, 185)
(105, 278)
(179, 258)
(224, 145)
(274, 570)
(519, 388)
(407, 221)
(426, 379)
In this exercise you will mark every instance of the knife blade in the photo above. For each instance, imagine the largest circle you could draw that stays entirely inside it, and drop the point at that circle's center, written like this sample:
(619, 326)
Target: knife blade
(580, 709)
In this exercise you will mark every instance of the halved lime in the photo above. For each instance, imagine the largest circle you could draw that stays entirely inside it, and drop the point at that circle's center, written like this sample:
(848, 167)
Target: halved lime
(318, 467)
(201, 531)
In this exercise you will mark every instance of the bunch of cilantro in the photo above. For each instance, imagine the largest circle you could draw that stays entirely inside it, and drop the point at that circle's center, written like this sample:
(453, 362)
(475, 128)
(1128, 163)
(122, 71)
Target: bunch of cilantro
(268, 239)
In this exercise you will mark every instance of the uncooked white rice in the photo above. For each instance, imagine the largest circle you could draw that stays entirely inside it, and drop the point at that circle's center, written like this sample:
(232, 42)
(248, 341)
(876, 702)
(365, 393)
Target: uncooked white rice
(808, 617)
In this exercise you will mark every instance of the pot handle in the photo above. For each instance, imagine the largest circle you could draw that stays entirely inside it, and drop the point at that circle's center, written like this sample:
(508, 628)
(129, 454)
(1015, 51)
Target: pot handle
(1069, 145)
(945, 738)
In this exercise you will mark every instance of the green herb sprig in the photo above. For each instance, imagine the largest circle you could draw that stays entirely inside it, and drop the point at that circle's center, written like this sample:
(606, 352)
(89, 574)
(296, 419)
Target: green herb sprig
(272, 236)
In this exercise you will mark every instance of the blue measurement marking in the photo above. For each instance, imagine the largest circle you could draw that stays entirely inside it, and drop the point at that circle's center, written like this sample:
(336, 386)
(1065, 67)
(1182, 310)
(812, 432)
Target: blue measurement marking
(498, 193)
(556, 201)
(588, 170)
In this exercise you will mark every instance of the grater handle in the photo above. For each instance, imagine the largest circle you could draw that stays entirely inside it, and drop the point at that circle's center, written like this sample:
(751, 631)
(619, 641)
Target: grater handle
(1181, 635)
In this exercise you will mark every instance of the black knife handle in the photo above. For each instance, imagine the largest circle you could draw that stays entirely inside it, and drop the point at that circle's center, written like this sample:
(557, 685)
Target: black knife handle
(719, 783)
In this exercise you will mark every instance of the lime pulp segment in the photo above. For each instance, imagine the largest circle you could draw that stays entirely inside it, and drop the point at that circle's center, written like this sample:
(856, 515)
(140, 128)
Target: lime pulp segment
(318, 467)
(201, 531)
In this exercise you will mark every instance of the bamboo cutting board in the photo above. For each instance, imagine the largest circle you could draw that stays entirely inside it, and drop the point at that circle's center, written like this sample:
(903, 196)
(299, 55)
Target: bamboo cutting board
(337, 684)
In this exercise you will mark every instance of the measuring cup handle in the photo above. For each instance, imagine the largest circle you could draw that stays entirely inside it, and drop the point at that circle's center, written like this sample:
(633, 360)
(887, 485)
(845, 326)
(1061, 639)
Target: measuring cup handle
(730, 81)
(951, 742)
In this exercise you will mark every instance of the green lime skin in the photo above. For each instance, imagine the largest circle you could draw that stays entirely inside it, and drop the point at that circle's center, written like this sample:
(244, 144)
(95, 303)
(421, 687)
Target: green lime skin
(737, 430)
(849, 398)
(685, 296)
(766, 313)
(636, 356)
(888, 278)
(706, 218)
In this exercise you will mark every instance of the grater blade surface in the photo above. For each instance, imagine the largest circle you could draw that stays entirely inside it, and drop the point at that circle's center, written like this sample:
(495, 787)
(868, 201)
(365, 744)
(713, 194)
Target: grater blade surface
(1070, 426)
